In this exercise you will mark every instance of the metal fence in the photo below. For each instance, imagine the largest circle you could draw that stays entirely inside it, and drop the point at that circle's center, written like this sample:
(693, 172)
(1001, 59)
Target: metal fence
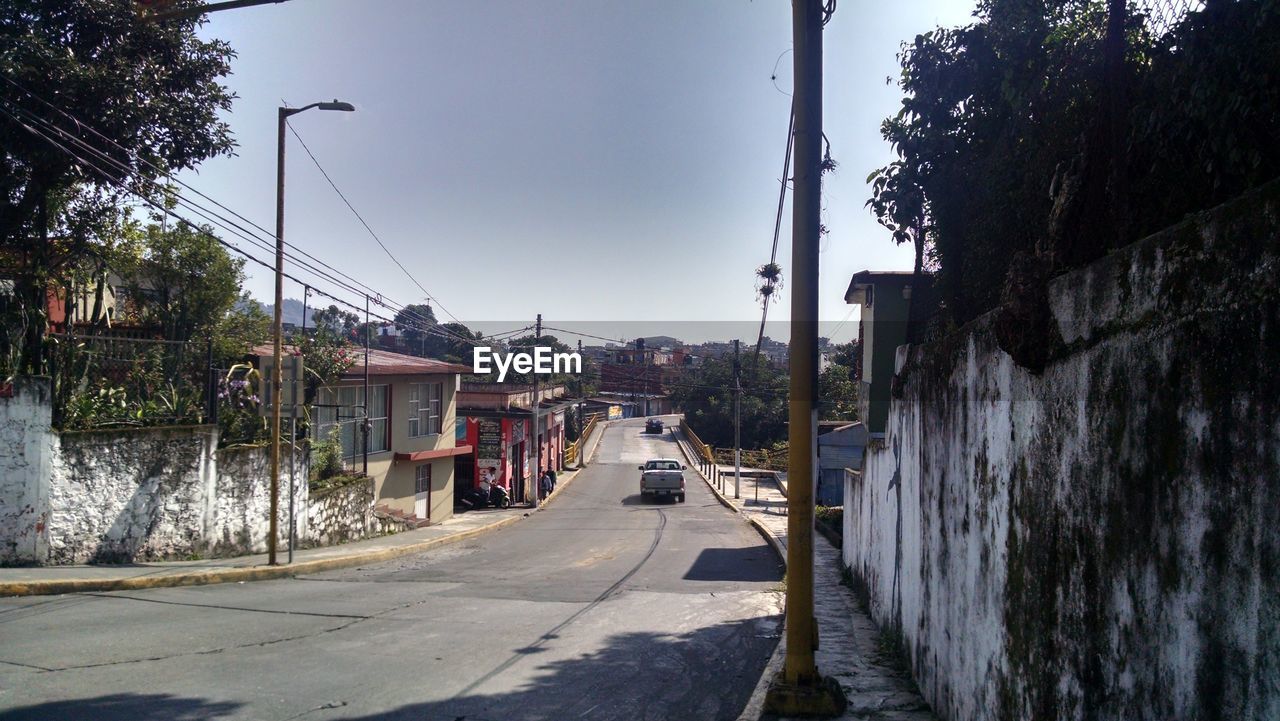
(1160, 16)
(126, 380)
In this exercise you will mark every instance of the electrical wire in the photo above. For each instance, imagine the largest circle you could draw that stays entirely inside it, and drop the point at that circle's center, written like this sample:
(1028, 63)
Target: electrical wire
(771, 284)
(124, 185)
(359, 217)
(240, 231)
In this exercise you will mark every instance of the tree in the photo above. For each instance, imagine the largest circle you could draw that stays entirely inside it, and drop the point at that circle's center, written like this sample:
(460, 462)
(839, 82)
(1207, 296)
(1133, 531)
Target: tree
(705, 395)
(336, 321)
(838, 385)
(240, 329)
(1006, 169)
(185, 283)
(150, 87)
(413, 320)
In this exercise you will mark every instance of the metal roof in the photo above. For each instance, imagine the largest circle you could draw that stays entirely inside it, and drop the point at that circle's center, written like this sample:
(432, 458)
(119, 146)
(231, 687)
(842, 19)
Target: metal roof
(384, 363)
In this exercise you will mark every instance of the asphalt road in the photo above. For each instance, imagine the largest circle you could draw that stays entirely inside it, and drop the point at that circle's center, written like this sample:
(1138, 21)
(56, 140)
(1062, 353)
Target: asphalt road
(602, 606)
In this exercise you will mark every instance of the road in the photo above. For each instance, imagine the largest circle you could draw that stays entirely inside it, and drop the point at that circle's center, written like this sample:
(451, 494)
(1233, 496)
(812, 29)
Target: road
(601, 606)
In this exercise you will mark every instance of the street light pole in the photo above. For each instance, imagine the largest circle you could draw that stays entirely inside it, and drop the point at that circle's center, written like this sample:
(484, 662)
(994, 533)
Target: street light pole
(277, 326)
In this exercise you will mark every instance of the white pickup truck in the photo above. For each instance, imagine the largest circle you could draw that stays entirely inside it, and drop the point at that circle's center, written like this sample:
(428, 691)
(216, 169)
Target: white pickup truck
(662, 477)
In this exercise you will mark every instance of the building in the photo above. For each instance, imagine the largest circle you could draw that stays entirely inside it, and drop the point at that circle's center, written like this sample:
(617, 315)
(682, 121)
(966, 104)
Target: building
(840, 448)
(495, 422)
(884, 298)
(398, 428)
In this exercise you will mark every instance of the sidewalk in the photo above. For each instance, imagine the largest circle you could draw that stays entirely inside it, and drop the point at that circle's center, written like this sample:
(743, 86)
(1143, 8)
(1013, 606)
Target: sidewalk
(849, 649)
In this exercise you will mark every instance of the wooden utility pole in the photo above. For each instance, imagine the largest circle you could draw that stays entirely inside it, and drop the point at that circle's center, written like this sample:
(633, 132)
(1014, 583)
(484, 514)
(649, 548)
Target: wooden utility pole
(737, 421)
(535, 450)
(800, 690)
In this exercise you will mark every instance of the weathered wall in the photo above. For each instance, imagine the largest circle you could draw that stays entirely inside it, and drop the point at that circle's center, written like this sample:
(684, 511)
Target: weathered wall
(160, 493)
(1101, 541)
(132, 495)
(26, 451)
(345, 513)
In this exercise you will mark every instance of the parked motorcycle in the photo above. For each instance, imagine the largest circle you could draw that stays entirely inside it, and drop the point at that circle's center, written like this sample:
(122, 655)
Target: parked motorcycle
(478, 497)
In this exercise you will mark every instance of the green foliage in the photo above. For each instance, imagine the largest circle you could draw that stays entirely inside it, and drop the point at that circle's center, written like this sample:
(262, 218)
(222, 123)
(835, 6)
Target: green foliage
(109, 382)
(705, 395)
(326, 458)
(997, 117)
(326, 357)
(838, 394)
(239, 416)
(1206, 115)
(151, 87)
(185, 283)
(239, 330)
(412, 319)
(336, 321)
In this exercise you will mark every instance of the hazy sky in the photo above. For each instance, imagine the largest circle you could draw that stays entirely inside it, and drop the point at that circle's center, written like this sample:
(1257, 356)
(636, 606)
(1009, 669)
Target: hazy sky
(593, 161)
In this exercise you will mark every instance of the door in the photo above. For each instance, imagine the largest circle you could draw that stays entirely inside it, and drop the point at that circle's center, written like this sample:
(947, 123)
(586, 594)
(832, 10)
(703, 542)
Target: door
(422, 491)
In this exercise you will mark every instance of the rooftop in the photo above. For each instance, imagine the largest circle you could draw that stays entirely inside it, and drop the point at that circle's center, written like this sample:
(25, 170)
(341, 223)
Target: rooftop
(384, 363)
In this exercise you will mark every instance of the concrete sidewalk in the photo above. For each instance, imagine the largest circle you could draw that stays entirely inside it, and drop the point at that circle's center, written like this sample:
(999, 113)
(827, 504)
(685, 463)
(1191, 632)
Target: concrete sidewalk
(850, 648)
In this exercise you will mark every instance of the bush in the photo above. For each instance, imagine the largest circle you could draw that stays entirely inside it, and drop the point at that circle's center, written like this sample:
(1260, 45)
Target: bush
(326, 458)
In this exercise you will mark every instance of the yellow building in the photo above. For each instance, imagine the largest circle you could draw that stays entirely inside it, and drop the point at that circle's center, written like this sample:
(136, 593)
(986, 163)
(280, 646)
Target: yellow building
(399, 428)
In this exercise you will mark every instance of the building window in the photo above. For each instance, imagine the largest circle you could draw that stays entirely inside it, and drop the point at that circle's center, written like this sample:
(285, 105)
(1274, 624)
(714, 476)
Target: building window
(341, 410)
(425, 401)
(422, 478)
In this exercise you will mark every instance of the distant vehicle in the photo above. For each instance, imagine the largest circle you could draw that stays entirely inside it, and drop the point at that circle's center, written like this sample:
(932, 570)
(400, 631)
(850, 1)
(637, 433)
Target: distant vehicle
(662, 477)
(654, 425)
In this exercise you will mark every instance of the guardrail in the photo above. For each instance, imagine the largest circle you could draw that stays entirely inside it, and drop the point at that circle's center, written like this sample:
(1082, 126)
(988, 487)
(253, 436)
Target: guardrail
(573, 450)
(702, 454)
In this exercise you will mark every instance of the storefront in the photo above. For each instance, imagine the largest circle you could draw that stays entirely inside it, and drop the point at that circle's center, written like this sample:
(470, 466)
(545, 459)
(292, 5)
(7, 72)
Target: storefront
(500, 442)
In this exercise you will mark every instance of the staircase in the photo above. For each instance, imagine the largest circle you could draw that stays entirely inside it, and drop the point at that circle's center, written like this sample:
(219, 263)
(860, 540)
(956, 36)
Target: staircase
(408, 520)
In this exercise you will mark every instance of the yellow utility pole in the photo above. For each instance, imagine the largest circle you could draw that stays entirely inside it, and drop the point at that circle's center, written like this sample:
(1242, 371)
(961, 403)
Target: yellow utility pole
(800, 690)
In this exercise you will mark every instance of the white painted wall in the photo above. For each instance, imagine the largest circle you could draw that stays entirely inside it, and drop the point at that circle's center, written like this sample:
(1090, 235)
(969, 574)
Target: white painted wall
(26, 450)
(135, 494)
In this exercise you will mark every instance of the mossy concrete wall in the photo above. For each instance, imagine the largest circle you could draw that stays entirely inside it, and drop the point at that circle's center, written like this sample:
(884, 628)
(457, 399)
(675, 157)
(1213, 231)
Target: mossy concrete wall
(1102, 540)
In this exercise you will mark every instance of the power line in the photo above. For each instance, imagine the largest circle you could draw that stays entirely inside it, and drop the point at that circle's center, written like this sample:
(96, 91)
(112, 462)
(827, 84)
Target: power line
(240, 230)
(770, 284)
(359, 217)
(122, 184)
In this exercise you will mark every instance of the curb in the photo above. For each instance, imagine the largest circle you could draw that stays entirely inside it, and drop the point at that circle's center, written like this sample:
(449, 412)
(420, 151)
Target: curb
(234, 575)
(724, 500)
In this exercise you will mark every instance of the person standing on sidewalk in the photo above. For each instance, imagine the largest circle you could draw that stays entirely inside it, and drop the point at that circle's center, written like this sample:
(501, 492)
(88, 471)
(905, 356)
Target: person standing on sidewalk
(551, 480)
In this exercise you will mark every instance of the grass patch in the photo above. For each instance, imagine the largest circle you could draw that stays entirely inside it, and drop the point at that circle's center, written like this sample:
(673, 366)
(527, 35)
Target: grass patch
(335, 482)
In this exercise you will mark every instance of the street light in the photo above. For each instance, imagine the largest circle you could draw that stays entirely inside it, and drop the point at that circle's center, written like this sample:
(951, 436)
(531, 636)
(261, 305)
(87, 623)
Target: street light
(277, 325)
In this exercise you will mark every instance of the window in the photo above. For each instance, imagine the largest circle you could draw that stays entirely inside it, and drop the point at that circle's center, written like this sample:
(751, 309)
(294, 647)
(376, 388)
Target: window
(425, 401)
(341, 409)
(422, 478)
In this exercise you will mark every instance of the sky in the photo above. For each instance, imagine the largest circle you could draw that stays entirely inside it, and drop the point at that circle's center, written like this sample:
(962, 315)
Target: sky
(611, 165)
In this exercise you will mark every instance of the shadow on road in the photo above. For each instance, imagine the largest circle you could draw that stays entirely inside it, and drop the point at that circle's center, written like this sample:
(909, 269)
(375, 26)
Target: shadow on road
(708, 673)
(142, 707)
(638, 500)
(735, 564)
(705, 674)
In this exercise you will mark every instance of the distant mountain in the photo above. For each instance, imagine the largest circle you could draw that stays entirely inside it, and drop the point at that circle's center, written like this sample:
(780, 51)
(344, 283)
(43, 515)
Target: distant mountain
(292, 311)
